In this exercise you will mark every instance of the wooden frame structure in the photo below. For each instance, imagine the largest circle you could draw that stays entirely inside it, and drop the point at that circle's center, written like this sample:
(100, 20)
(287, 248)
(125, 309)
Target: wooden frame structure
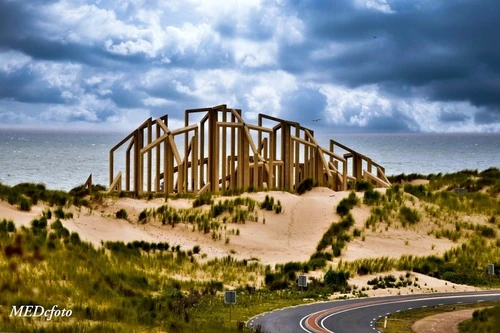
(223, 152)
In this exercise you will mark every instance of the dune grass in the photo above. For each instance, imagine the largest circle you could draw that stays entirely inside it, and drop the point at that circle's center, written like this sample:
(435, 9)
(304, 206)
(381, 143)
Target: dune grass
(134, 287)
(143, 287)
(402, 322)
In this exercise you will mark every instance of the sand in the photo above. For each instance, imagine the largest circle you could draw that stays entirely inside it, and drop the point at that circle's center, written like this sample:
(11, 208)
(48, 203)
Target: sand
(425, 284)
(442, 322)
(289, 236)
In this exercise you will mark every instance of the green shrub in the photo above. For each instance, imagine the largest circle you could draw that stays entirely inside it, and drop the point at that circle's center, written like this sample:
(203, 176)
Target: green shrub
(292, 267)
(486, 231)
(336, 279)
(371, 197)
(362, 185)
(143, 215)
(203, 199)
(74, 238)
(277, 208)
(56, 225)
(305, 185)
(121, 214)
(11, 227)
(24, 203)
(39, 223)
(59, 213)
(416, 190)
(408, 215)
(346, 204)
(483, 320)
(316, 263)
(268, 203)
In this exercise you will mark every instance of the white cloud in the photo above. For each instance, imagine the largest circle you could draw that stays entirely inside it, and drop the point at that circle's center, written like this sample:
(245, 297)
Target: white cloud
(380, 5)
(254, 54)
(354, 106)
(87, 23)
(267, 93)
(126, 119)
(11, 61)
(190, 38)
(60, 75)
(154, 101)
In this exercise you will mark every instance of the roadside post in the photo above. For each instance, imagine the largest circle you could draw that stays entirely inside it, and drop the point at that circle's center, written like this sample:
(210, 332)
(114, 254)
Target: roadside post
(491, 271)
(385, 322)
(230, 298)
(302, 281)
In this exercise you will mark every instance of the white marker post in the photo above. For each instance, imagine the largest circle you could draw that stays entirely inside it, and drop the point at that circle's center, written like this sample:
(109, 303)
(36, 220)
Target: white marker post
(385, 322)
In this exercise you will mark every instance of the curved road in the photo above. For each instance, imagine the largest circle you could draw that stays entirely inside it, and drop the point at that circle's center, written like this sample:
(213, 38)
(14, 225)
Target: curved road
(356, 315)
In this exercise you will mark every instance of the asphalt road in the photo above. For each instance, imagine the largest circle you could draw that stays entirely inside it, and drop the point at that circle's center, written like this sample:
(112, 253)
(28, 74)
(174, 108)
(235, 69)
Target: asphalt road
(357, 315)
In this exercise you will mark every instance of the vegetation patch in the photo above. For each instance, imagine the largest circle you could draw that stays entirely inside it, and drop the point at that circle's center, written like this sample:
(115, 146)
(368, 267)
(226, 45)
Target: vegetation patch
(484, 320)
(306, 185)
(346, 204)
(401, 322)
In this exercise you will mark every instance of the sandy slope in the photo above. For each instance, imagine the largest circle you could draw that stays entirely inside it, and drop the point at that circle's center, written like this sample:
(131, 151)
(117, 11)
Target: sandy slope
(425, 284)
(289, 236)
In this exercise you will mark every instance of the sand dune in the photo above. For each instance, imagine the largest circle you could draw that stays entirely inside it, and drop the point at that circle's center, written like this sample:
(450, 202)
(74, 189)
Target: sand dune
(289, 236)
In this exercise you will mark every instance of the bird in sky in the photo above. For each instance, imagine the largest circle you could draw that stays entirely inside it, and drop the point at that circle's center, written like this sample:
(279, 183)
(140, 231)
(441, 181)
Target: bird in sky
(316, 120)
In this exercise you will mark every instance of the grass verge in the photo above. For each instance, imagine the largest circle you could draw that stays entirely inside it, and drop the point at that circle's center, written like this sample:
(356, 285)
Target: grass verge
(401, 322)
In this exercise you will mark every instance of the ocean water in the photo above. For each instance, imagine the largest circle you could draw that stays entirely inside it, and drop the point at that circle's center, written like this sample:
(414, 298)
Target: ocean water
(63, 160)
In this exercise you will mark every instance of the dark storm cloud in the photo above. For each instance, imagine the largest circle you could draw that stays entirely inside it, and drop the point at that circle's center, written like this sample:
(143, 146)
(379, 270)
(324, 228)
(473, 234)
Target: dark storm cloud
(487, 117)
(397, 122)
(446, 51)
(29, 87)
(367, 65)
(451, 117)
(305, 105)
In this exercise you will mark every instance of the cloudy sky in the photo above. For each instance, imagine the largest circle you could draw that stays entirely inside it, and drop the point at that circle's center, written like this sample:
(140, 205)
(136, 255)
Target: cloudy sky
(359, 65)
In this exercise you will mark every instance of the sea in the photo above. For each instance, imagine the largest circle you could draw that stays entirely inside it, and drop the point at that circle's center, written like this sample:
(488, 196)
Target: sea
(63, 160)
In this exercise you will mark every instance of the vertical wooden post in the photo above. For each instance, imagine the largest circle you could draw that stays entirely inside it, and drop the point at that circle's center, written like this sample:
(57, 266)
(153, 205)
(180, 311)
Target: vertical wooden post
(194, 163)
(202, 154)
(213, 151)
(157, 158)
(272, 156)
(111, 167)
(245, 158)
(233, 180)
(150, 163)
(306, 161)
(185, 183)
(224, 157)
(297, 158)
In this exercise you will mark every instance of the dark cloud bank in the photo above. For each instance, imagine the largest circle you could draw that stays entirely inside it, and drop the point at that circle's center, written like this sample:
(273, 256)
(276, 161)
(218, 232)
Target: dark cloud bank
(358, 65)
